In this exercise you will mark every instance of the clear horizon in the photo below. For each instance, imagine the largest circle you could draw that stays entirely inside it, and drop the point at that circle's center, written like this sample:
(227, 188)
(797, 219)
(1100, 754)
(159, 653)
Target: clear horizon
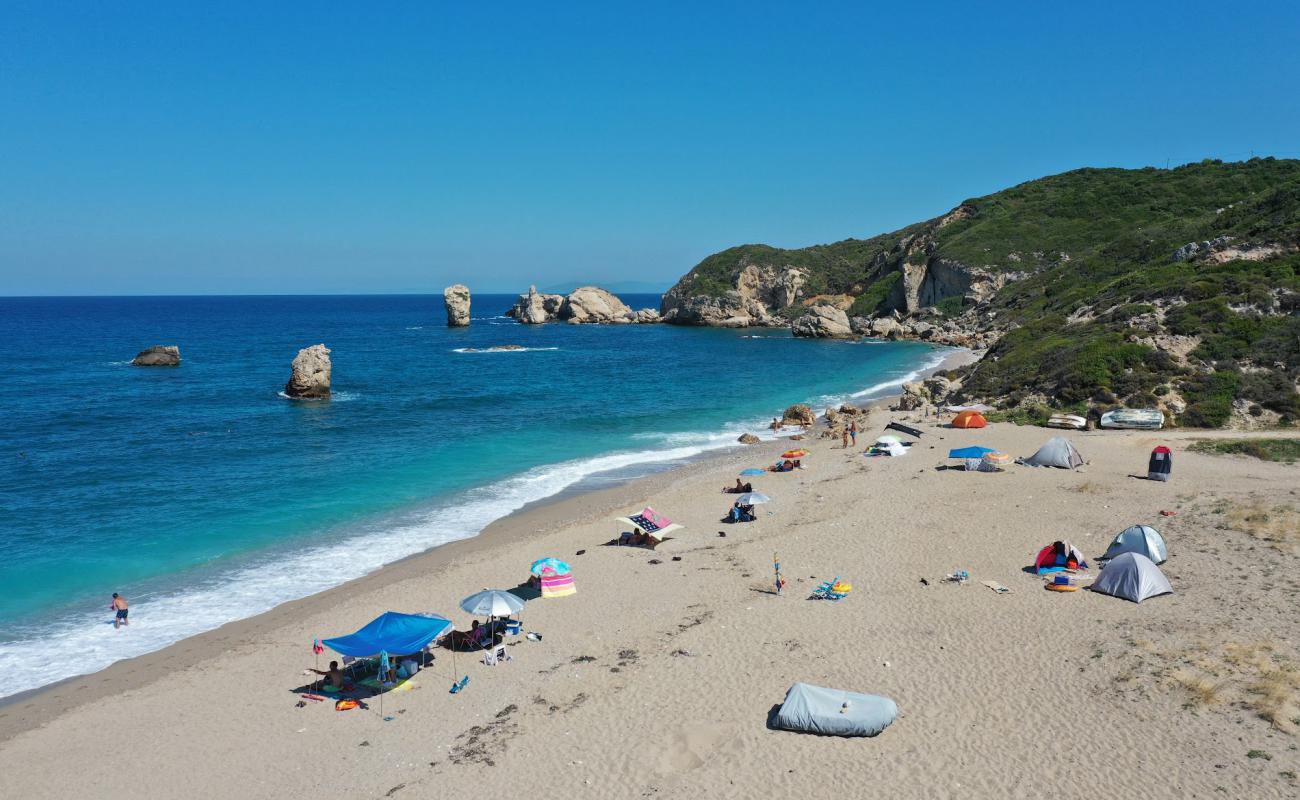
(156, 150)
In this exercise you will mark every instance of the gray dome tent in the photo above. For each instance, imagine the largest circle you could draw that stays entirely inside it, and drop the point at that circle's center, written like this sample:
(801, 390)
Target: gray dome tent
(1141, 539)
(1058, 452)
(1132, 576)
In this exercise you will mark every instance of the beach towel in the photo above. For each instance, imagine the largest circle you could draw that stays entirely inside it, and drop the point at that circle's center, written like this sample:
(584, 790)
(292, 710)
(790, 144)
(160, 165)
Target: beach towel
(651, 522)
(996, 587)
(557, 585)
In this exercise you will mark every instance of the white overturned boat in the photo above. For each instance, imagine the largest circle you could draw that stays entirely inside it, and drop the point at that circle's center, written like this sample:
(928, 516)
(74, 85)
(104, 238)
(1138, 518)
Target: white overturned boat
(1071, 422)
(1145, 419)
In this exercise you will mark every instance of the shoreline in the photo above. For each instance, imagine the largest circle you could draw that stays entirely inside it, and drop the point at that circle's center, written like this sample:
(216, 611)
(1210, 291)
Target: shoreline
(689, 646)
(572, 505)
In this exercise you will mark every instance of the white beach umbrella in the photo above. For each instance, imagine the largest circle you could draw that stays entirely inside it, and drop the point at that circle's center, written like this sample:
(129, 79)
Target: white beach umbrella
(753, 499)
(492, 603)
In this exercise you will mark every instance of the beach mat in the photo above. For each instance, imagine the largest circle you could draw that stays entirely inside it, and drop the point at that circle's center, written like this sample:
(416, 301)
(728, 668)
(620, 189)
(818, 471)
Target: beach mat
(401, 686)
(898, 426)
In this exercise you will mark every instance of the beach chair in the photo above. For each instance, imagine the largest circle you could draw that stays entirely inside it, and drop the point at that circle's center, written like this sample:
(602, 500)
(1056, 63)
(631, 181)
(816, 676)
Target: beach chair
(351, 664)
(496, 653)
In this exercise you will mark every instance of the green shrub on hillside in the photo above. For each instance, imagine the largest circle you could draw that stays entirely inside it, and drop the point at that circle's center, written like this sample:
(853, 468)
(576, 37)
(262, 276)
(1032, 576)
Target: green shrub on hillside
(869, 302)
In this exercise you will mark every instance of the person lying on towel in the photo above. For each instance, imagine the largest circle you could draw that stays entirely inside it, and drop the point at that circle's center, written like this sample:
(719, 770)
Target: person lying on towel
(739, 488)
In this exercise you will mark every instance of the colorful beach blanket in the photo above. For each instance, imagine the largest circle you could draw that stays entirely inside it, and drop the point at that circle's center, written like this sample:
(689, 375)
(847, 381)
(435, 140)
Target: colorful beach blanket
(558, 585)
(649, 521)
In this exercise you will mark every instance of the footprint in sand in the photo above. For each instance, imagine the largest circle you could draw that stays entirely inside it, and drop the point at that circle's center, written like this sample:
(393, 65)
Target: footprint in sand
(693, 746)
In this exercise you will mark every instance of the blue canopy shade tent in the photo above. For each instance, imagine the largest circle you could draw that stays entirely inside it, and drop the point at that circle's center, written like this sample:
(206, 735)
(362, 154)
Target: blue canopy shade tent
(392, 633)
(970, 452)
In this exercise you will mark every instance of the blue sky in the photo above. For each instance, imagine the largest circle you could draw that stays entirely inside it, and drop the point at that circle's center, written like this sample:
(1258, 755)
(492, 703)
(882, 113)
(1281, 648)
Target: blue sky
(182, 147)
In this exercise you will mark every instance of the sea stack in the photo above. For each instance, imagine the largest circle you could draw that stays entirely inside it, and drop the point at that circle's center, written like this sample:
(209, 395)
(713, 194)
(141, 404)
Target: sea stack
(456, 298)
(311, 374)
(158, 356)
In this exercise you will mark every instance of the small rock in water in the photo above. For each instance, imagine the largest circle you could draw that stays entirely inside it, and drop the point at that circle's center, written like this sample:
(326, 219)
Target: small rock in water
(158, 356)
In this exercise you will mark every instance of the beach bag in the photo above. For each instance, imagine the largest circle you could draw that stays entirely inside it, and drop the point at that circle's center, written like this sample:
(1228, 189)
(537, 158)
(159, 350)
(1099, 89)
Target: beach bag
(1160, 465)
(408, 669)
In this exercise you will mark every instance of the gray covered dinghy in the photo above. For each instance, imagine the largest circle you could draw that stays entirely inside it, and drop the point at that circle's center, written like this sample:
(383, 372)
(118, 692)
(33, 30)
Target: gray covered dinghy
(833, 712)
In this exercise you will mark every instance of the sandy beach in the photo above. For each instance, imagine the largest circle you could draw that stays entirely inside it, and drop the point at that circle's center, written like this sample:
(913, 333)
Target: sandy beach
(658, 677)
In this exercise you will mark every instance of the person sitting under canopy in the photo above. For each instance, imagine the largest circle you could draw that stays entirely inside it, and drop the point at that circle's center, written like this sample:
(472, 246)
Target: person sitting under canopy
(740, 513)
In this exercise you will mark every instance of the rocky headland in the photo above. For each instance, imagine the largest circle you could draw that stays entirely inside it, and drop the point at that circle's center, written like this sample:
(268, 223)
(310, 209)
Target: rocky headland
(1094, 289)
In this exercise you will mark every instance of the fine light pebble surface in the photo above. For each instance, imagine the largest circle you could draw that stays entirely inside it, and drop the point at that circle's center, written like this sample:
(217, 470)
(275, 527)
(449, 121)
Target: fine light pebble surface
(657, 679)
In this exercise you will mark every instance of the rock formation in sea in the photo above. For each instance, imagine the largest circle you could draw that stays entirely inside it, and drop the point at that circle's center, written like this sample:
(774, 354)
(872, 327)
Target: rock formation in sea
(590, 304)
(748, 438)
(158, 356)
(535, 308)
(456, 298)
(826, 322)
(311, 374)
(799, 414)
(584, 305)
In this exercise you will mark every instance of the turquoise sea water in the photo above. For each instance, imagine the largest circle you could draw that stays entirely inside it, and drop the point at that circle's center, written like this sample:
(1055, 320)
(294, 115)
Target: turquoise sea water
(204, 495)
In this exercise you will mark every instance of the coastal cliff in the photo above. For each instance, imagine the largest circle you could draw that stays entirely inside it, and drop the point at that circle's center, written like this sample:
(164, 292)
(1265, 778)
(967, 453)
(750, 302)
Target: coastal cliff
(1174, 289)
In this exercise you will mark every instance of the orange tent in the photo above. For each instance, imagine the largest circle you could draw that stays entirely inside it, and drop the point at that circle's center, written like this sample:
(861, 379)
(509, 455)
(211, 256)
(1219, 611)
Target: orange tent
(969, 419)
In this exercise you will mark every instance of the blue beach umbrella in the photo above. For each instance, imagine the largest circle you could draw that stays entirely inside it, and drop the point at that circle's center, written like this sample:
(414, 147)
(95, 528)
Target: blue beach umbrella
(974, 451)
(752, 471)
(555, 564)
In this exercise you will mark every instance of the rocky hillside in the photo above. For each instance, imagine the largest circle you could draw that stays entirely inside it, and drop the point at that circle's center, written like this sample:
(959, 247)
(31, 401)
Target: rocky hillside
(1090, 289)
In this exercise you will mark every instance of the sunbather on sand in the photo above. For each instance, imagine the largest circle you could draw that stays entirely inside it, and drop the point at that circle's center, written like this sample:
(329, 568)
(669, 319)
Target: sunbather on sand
(739, 488)
(333, 676)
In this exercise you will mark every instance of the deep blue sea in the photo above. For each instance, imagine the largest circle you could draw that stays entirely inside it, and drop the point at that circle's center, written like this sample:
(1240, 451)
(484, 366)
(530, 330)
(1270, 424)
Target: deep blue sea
(204, 495)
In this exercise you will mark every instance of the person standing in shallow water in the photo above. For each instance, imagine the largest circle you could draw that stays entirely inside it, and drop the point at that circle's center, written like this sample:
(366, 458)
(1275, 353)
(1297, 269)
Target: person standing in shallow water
(120, 606)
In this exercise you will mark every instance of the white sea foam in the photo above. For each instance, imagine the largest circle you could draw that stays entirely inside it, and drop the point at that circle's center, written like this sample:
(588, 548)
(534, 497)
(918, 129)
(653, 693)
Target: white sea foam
(338, 397)
(476, 350)
(85, 642)
(883, 387)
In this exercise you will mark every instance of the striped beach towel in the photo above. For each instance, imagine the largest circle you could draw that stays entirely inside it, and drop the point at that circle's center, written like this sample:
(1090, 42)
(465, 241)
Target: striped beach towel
(557, 585)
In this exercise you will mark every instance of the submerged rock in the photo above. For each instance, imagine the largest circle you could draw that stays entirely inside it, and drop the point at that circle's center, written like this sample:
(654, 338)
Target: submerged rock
(456, 298)
(311, 374)
(158, 356)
